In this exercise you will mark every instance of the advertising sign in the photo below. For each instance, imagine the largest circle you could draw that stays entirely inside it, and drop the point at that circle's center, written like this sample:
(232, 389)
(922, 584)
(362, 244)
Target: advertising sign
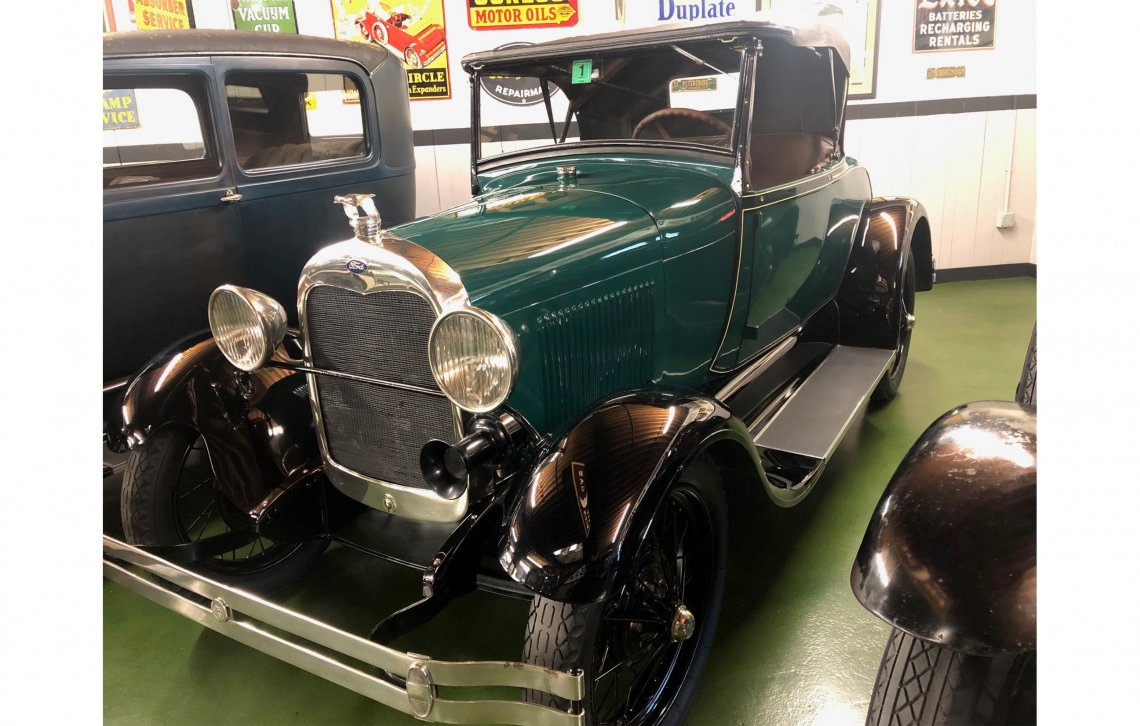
(120, 110)
(416, 33)
(515, 90)
(265, 16)
(162, 14)
(506, 14)
(953, 25)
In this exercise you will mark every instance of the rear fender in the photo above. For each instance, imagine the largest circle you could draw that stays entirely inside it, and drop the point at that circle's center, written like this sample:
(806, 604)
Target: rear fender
(589, 497)
(257, 427)
(890, 232)
(950, 555)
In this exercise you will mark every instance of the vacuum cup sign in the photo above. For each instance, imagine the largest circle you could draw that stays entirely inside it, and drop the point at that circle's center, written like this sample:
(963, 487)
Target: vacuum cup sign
(953, 25)
(507, 14)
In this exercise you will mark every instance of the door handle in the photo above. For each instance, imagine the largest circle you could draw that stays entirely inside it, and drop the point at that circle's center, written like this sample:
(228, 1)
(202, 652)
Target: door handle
(231, 195)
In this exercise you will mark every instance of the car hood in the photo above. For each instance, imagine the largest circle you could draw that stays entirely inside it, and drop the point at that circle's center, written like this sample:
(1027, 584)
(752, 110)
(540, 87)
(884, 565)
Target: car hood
(529, 238)
(516, 247)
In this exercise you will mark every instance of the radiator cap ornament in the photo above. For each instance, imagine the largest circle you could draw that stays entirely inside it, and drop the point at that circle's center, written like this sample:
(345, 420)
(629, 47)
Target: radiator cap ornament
(362, 215)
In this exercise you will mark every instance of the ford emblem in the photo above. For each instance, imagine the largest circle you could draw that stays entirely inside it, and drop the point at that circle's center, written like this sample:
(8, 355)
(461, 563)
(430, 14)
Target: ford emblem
(357, 266)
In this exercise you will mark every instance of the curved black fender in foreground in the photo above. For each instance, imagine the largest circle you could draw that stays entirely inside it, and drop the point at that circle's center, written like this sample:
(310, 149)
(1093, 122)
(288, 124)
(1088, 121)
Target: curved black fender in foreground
(950, 555)
(587, 501)
(257, 426)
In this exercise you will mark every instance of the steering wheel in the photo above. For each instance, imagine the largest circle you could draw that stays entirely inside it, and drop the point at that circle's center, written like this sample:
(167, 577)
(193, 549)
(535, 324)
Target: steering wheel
(654, 119)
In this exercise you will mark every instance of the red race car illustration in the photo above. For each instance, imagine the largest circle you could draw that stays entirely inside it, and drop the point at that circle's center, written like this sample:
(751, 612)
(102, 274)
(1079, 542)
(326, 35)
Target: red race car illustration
(390, 28)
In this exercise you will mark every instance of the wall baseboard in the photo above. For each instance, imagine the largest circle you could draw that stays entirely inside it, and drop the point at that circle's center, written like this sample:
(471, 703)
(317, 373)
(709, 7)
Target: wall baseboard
(987, 272)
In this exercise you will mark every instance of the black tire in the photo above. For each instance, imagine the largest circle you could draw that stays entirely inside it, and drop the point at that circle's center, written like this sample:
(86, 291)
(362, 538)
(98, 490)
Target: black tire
(565, 636)
(888, 387)
(167, 480)
(923, 683)
(1027, 386)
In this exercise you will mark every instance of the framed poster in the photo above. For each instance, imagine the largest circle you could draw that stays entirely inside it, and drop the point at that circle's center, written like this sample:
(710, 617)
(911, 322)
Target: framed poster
(858, 21)
(415, 31)
(969, 26)
(265, 16)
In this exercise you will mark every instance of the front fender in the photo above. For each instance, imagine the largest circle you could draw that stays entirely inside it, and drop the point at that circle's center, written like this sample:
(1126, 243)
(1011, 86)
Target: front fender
(950, 555)
(257, 427)
(589, 495)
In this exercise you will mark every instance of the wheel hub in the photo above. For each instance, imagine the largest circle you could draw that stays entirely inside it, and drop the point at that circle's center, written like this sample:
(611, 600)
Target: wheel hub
(684, 622)
(909, 321)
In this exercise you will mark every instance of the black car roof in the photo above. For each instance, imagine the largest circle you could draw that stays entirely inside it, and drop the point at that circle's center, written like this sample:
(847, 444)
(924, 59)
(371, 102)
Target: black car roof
(153, 43)
(814, 36)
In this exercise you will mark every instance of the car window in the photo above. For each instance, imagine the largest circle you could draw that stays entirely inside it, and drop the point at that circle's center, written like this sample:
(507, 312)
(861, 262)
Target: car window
(283, 119)
(155, 129)
(684, 93)
(794, 116)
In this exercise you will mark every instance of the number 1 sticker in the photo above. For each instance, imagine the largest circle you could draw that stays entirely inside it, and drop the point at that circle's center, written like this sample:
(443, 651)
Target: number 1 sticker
(582, 71)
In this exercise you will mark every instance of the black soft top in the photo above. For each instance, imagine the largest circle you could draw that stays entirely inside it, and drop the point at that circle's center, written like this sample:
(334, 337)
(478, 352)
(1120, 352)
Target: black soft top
(154, 43)
(814, 36)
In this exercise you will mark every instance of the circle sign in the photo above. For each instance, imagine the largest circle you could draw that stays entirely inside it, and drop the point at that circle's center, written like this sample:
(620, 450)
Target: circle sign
(514, 90)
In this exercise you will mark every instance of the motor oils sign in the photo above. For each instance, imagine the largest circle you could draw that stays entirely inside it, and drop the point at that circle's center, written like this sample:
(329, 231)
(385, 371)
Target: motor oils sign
(953, 25)
(507, 14)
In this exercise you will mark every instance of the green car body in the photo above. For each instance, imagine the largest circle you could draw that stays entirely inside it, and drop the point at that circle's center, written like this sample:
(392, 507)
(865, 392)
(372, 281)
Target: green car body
(508, 394)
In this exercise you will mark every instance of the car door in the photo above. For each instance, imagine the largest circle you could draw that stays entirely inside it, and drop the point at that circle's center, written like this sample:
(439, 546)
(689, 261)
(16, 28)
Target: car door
(301, 132)
(797, 188)
(170, 235)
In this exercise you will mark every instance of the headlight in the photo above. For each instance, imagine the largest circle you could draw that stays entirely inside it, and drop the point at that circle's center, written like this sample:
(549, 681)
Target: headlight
(247, 325)
(473, 358)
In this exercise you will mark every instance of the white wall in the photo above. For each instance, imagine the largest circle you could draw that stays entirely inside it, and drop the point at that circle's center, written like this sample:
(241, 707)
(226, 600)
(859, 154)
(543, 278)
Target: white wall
(955, 164)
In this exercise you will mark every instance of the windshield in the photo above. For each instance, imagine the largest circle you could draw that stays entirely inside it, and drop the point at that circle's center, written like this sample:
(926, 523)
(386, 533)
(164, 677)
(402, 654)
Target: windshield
(683, 93)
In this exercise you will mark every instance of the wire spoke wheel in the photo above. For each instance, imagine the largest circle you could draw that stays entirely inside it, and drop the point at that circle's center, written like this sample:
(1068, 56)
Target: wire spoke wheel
(642, 649)
(171, 496)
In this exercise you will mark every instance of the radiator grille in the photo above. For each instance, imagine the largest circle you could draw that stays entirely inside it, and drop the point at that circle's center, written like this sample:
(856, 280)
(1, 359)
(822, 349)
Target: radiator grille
(372, 429)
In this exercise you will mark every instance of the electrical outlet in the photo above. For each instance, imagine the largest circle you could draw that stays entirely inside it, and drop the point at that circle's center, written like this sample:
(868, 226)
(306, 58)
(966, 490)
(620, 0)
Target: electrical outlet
(1005, 221)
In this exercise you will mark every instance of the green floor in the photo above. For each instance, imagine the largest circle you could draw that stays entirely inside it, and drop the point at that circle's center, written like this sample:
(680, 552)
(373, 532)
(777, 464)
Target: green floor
(793, 645)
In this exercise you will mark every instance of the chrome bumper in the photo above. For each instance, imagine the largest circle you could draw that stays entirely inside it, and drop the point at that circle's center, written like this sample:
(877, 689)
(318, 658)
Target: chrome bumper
(241, 616)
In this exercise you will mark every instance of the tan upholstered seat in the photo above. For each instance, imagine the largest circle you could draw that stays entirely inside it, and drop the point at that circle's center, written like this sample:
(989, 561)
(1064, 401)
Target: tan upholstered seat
(780, 158)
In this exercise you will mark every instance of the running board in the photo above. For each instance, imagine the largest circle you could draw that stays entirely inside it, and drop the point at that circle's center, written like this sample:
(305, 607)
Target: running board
(796, 443)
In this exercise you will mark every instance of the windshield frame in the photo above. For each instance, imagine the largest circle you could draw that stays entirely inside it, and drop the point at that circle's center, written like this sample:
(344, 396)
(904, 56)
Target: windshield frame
(740, 122)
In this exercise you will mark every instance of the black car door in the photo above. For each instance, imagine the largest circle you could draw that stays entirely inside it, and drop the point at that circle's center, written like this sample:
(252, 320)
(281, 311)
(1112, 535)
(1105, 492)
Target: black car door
(171, 233)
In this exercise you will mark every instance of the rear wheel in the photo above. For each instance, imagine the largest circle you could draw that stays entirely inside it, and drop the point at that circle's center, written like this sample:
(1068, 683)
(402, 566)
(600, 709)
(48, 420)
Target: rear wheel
(923, 683)
(170, 496)
(888, 387)
(412, 58)
(380, 33)
(642, 650)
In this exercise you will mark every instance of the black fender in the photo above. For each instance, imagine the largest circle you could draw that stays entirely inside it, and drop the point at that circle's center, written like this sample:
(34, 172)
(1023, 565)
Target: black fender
(890, 232)
(588, 498)
(950, 555)
(257, 427)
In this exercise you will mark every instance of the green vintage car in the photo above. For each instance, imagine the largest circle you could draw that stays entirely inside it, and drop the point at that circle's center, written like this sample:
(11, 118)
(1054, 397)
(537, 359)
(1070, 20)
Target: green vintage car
(670, 278)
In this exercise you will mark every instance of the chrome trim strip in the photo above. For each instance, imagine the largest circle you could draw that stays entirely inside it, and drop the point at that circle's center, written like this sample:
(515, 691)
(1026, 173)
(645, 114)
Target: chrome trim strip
(754, 370)
(241, 615)
(389, 263)
(115, 384)
(302, 368)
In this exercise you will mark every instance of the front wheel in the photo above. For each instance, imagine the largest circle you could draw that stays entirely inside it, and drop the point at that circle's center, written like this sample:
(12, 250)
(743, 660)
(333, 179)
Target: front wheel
(170, 496)
(642, 650)
(921, 683)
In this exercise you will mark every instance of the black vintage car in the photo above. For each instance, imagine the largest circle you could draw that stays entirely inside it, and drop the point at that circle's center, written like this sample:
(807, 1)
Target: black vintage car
(221, 151)
(679, 284)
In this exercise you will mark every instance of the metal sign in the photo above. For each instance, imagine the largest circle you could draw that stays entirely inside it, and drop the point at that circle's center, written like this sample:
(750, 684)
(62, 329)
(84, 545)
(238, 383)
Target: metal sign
(509, 14)
(953, 25)
(515, 90)
(265, 16)
(120, 110)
